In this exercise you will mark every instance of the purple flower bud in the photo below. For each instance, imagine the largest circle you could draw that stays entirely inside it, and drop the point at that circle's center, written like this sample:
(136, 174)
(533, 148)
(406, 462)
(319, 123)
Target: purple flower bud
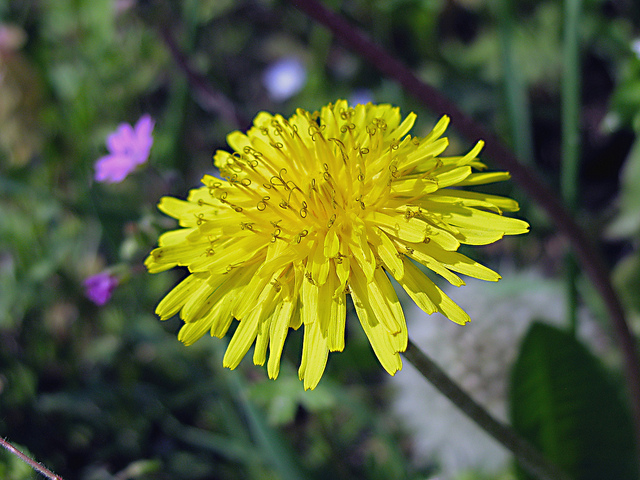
(129, 147)
(99, 287)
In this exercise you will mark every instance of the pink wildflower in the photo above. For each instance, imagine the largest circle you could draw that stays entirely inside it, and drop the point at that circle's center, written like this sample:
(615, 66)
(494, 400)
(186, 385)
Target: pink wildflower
(129, 147)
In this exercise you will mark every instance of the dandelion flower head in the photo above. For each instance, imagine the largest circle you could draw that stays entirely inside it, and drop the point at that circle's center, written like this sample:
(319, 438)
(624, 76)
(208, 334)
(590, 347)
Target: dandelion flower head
(317, 207)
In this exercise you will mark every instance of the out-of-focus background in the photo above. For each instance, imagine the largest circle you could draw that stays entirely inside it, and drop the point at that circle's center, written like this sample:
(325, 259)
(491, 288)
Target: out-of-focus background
(99, 392)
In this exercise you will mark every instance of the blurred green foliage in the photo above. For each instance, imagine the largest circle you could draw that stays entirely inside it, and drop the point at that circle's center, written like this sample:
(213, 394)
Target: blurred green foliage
(109, 393)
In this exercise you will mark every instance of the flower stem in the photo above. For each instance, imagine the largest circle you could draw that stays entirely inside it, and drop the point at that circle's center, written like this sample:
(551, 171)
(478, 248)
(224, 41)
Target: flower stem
(589, 257)
(32, 463)
(571, 105)
(526, 454)
(571, 138)
(515, 87)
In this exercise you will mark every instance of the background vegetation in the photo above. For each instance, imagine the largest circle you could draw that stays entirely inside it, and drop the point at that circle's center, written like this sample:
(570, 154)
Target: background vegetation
(109, 393)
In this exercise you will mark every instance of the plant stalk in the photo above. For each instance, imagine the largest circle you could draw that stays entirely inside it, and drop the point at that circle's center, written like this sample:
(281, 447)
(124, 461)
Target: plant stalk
(528, 456)
(29, 461)
(571, 87)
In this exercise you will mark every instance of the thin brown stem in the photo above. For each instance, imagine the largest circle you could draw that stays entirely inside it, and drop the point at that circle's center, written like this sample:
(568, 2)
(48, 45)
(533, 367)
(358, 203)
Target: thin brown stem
(528, 456)
(31, 462)
(589, 257)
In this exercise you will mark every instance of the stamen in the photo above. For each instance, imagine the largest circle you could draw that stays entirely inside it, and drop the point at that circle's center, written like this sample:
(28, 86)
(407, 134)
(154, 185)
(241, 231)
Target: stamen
(298, 238)
(348, 127)
(276, 235)
(262, 204)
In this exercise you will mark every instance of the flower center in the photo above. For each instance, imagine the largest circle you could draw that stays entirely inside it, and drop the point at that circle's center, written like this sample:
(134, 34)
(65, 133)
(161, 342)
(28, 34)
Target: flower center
(291, 182)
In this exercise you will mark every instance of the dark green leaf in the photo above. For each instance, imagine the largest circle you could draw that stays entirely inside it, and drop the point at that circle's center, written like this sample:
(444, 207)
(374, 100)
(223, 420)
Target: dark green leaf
(564, 401)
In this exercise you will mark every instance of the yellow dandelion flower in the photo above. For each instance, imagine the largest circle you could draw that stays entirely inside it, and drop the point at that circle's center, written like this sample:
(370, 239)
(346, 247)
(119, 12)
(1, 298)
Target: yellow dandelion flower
(318, 207)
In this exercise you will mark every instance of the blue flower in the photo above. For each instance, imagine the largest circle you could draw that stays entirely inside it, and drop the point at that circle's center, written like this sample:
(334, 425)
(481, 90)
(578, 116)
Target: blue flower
(284, 78)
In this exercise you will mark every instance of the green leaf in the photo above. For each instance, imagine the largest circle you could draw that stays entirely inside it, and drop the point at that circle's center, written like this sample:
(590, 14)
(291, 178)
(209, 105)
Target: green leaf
(564, 402)
(626, 279)
(626, 223)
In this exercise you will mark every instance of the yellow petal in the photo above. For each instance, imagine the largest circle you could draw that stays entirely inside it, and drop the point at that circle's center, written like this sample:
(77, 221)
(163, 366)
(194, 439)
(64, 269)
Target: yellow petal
(222, 258)
(427, 295)
(451, 176)
(314, 356)
(376, 332)
(242, 339)
(342, 267)
(325, 295)
(476, 199)
(408, 229)
(482, 178)
(422, 158)
(262, 342)
(437, 130)
(385, 303)
(416, 252)
(191, 332)
(335, 334)
(201, 301)
(309, 299)
(250, 298)
(473, 153)
(331, 244)
(455, 261)
(413, 187)
(280, 320)
(470, 236)
(387, 251)
(405, 126)
(361, 252)
(479, 219)
(249, 327)
(176, 298)
(319, 263)
(174, 237)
